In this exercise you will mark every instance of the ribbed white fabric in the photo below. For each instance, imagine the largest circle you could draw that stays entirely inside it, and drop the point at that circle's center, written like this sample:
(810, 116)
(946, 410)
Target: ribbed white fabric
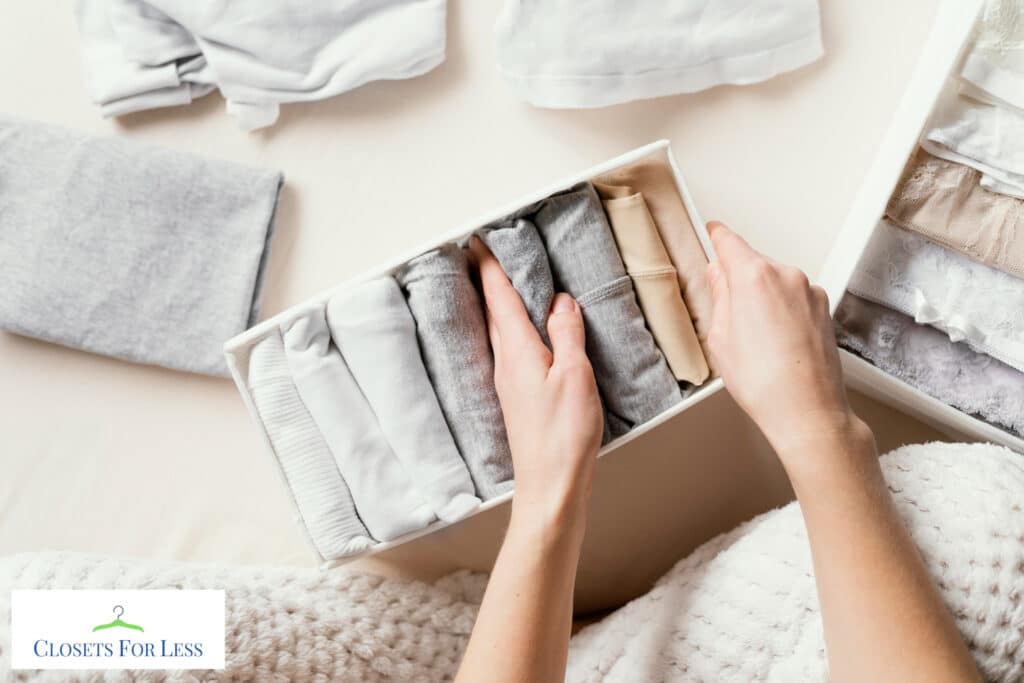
(321, 495)
(967, 300)
(376, 333)
(593, 53)
(385, 496)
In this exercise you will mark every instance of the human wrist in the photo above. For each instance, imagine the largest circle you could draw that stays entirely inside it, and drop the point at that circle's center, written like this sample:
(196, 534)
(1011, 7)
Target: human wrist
(549, 518)
(836, 445)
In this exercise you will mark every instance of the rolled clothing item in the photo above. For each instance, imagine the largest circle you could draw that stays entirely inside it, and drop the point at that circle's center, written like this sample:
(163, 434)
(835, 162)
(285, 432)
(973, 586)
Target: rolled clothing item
(320, 492)
(127, 250)
(385, 495)
(453, 341)
(519, 249)
(984, 136)
(374, 330)
(635, 381)
(993, 69)
(654, 179)
(141, 54)
(655, 281)
(593, 53)
(967, 300)
(944, 202)
(928, 360)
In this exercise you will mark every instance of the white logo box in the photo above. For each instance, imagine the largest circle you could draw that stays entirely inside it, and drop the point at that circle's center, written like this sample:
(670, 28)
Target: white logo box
(948, 36)
(117, 629)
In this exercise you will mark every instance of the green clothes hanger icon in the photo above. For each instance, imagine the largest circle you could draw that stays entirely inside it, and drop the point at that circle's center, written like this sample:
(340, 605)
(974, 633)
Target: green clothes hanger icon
(117, 623)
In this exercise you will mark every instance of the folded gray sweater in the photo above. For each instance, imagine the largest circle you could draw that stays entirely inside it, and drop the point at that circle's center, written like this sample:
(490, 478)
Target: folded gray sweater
(127, 250)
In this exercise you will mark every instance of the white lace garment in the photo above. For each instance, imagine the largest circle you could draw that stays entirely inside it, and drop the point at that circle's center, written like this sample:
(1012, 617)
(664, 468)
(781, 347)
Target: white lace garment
(967, 300)
(979, 121)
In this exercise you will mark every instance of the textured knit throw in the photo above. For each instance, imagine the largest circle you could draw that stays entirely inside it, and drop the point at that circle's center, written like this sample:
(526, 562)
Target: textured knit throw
(742, 607)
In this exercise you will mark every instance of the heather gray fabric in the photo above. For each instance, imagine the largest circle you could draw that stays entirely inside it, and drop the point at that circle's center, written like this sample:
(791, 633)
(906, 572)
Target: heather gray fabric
(128, 250)
(376, 334)
(519, 249)
(635, 381)
(927, 359)
(453, 340)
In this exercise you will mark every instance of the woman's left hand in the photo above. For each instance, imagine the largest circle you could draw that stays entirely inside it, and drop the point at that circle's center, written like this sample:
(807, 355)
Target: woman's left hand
(552, 411)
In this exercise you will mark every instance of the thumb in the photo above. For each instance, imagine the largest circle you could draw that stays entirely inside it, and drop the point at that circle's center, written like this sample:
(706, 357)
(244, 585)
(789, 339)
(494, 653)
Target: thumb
(565, 329)
(719, 288)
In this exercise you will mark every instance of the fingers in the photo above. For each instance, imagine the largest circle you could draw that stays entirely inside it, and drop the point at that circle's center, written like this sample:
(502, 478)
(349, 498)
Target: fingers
(734, 254)
(565, 329)
(506, 315)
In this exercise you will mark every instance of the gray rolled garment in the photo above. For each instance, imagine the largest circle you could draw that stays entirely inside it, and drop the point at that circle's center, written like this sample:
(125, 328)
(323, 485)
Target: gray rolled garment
(635, 381)
(127, 250)
(519, 249)
(452, 335)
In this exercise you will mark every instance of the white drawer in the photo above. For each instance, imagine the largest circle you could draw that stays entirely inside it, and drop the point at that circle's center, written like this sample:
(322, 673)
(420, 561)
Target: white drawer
(939, 60)
(237, 349)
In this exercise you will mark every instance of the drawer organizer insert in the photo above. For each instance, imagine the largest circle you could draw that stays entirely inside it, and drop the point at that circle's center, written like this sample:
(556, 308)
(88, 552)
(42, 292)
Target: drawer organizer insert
(377, 397)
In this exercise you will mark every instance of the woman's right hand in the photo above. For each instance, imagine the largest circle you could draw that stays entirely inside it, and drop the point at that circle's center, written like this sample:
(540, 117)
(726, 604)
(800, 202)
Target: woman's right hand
(771, 339)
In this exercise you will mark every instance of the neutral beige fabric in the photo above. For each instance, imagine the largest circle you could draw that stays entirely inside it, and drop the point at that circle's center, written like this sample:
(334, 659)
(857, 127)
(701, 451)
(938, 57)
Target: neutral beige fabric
(946, 203)
(654, 180)
(655, 281)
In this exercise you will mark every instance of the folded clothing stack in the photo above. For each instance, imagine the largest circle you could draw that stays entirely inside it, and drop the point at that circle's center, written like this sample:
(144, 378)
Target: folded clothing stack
(388, 385)
(128, 250)
(937, 299)
(144, 54)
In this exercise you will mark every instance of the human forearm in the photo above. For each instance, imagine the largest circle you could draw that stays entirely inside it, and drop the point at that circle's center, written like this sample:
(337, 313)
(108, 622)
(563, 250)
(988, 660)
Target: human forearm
(883, 617)
(522, 630)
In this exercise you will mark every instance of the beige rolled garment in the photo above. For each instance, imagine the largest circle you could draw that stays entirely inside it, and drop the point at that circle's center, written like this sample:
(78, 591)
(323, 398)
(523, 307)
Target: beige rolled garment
(946, 203)
(655, 281)
(653, 178)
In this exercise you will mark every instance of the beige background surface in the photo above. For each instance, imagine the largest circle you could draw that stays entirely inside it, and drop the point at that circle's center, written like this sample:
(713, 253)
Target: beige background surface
(102, 456)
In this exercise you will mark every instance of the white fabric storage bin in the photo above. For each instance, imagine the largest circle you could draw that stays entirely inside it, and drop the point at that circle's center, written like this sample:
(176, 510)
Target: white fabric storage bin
(237, 349)
(939, 61)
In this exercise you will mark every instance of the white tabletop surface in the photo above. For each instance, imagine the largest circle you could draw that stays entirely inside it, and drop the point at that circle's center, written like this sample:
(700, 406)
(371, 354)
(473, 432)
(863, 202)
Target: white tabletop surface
(101, 456)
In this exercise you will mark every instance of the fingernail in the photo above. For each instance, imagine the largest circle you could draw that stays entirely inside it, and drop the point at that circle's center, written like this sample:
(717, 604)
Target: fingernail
(564, 304)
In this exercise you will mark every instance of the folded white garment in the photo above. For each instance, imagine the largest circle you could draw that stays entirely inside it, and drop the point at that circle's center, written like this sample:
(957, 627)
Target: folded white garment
(971, 302)
(593, 53)
(372, 326)
(385, 496)
(993, 70)
(321, 494)
(985, 136)
(141, 54)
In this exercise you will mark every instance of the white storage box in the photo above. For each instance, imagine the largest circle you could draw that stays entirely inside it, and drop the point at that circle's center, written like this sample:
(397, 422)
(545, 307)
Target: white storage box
(939, 61)
(237, 349)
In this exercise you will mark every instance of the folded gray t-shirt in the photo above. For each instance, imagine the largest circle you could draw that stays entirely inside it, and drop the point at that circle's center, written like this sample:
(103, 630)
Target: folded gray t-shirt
(128, 250)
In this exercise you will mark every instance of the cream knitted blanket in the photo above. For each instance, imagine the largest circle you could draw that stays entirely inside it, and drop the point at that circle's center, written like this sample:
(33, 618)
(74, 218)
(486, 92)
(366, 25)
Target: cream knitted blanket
(742, 607)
